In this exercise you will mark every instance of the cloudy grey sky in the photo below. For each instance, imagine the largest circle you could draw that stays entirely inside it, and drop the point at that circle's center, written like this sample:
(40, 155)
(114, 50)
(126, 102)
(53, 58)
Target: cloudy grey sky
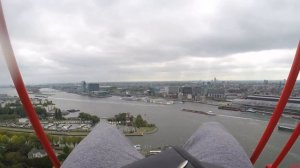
(141, 40)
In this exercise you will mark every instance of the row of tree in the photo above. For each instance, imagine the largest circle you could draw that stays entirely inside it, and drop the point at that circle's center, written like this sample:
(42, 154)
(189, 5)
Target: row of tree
(58, 114)
(14, 148)
(140, 122)
(87, 117)
(129, 120)
(29, 138)
(12, 111)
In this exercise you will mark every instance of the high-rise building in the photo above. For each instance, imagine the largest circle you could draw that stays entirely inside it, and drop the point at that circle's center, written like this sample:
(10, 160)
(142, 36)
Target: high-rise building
(83, 86)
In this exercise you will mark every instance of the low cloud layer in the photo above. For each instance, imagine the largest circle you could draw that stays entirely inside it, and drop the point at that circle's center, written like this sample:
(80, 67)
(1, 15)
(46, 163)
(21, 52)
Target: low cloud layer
(139, 40)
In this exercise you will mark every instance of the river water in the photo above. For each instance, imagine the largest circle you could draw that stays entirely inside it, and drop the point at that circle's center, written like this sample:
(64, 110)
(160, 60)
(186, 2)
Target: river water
(176, 126)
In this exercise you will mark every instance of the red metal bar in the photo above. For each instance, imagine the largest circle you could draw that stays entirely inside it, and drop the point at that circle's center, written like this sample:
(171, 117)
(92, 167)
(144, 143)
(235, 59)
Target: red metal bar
(21, 89)
(286, 148)
(287, 90)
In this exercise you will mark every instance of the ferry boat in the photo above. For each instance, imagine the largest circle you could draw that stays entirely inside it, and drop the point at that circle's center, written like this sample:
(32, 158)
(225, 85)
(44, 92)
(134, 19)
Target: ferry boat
(73, 110)
(211, 113)
(130, 98)
(285, 128)
(200, 112)
(250, 110)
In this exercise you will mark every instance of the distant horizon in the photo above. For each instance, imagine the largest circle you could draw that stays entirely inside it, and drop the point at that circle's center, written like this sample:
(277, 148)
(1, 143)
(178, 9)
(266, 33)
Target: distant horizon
(54, 83)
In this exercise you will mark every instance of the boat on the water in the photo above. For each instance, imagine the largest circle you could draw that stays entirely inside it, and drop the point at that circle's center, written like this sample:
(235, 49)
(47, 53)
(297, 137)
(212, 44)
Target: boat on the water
(73, 110)
(250, 110)
(285, 128)
(229, 108)
(211, 113)
(130, 98)
(200, 112)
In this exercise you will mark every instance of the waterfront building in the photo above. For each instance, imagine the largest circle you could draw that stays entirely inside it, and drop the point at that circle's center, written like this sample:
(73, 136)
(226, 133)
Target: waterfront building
(232, 96)
(187, 92)
(93, 87)
(172, 90)
(83, 86)
(266, 104)
(99, 94)
(199, 93)
(216, 94)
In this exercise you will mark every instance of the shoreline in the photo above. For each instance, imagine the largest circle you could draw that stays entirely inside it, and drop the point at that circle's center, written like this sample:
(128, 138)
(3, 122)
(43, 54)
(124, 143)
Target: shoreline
(142, 133)
(152, 131)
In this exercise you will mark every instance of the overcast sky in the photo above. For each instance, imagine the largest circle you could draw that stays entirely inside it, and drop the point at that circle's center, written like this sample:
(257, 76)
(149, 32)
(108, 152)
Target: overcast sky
(146, 40)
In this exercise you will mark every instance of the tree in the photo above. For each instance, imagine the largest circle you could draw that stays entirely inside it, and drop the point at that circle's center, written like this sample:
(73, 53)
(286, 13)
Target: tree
(4, 139)
(121, 117)
(66, 152)
(68, 140)
(77, 140)
(74, 140)
(58, 114)
(41, 112)
(87, 117)
(139, 122)
(43, 162)
(2, 165)
(55, 139)
(17, 140)
(14, 157)
(33, 141)
(19, 110)
(8, 117)
(24, 149)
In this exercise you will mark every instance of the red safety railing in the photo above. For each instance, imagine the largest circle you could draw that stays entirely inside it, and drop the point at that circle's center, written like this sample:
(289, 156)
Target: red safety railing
(21, 89)
(22, 92)
(287, 90)
(286, 148)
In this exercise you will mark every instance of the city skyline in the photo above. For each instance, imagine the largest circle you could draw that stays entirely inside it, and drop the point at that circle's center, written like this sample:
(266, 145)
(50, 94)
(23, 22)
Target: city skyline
(153, 81)
(114, 41)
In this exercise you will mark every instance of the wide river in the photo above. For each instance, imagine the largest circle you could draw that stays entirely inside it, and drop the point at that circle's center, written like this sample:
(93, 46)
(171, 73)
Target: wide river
(176, 126)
